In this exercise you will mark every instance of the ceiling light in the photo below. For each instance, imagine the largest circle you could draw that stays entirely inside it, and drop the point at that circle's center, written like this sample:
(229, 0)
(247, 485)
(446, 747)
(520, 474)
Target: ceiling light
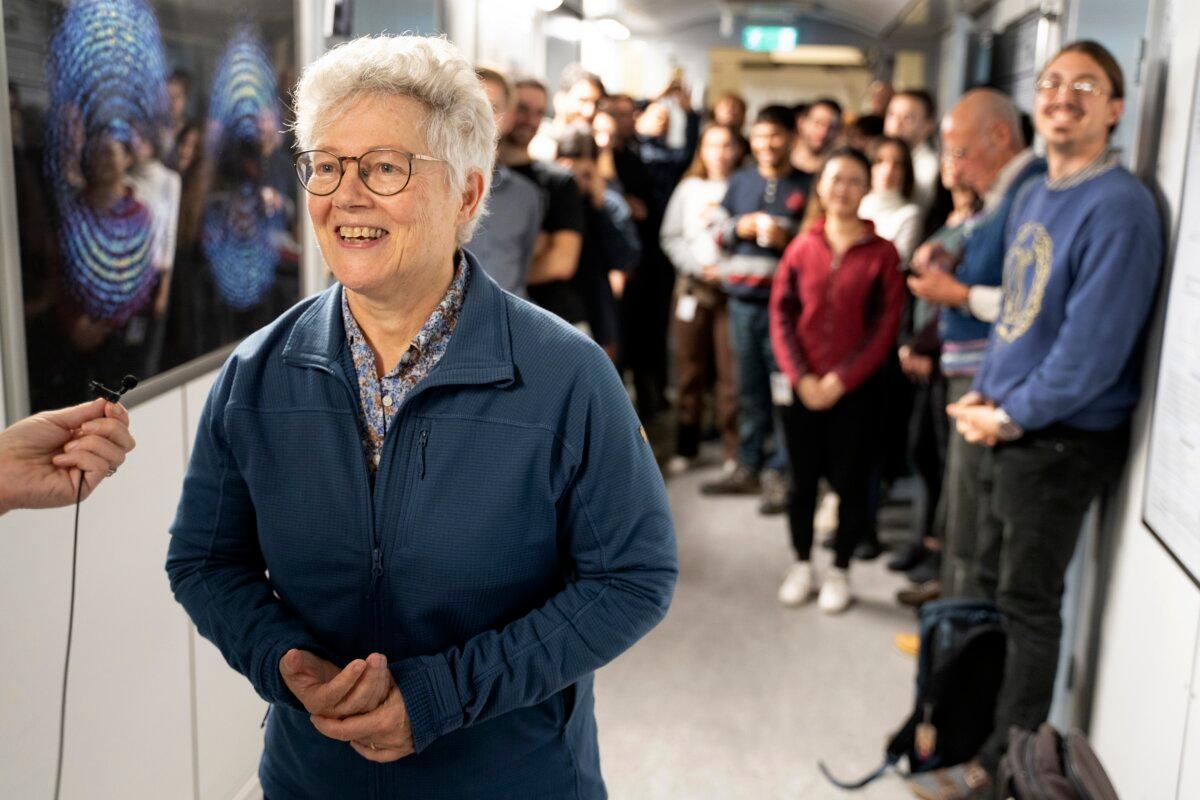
(569, 29)
(612, 29)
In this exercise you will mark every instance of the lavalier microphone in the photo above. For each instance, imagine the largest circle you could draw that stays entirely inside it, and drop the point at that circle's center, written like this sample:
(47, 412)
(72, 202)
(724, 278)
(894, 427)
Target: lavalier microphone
(112, 395)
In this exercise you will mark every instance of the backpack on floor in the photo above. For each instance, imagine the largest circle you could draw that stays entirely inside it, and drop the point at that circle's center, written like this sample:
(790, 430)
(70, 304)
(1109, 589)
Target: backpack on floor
(959, 669)
(1050, 766)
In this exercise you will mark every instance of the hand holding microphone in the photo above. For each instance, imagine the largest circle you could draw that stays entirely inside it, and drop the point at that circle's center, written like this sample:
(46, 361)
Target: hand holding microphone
(43, 457)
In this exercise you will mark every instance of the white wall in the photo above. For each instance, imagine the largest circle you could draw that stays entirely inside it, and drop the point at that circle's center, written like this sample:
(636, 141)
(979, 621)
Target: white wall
(132, 727)
(1146, 723)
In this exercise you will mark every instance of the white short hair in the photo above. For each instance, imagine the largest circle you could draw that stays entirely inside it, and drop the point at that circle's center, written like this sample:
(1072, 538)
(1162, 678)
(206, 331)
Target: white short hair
(459, 127)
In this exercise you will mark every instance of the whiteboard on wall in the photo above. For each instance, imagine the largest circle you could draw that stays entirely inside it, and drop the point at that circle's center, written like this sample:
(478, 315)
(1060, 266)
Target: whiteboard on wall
(1172, 504)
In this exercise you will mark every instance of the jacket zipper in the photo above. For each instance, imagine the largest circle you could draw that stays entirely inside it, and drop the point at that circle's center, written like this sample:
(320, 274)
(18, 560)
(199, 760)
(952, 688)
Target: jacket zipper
(376, 551)
(424, 441)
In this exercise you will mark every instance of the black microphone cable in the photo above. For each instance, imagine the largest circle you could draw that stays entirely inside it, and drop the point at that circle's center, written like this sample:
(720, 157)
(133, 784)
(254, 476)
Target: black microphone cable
(112, 396)
(62, 716)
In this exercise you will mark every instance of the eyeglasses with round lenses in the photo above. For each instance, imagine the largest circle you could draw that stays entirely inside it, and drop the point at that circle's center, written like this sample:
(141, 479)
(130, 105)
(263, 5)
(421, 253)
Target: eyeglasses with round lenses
(1080, 88)
(384, 172)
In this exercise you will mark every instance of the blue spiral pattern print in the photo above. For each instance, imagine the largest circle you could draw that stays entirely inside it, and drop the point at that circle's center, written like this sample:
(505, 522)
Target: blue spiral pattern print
(239, 229)
(106, 78)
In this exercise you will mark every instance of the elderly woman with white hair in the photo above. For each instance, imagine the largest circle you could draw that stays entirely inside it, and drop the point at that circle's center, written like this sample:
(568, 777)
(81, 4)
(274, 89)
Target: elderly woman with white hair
(419, 511)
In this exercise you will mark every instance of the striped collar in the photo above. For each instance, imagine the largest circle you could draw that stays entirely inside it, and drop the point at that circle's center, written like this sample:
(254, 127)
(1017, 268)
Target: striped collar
(1107, 161)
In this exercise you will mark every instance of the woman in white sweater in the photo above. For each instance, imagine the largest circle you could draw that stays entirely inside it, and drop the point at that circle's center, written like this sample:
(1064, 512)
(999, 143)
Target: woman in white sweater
(701, 325)
(890, 205)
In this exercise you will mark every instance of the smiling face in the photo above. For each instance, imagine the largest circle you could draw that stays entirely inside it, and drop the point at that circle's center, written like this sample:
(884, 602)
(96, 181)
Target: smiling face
(380, 246)
(887, 170)
(906, 119)
(820, 128)
(719, 152)
(842, 186)
(584, 96)
(1072, 121)
(527, 115)
(770, 144)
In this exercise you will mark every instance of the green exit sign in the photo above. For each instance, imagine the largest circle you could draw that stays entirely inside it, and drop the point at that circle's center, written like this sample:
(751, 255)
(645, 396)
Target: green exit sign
(769, 38)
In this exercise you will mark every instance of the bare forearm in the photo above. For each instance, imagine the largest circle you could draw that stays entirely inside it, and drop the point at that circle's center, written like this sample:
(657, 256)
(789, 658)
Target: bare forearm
(557, 260)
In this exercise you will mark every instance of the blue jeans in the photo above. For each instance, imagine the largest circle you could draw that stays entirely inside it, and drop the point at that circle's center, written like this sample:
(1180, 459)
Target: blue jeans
(749, 332)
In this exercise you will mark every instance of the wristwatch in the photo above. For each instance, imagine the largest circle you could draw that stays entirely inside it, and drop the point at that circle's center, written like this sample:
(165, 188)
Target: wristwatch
(1009, 430)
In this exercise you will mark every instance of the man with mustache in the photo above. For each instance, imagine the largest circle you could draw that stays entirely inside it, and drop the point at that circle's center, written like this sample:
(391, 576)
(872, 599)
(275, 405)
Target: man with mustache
(983, 143)
(1058, 383)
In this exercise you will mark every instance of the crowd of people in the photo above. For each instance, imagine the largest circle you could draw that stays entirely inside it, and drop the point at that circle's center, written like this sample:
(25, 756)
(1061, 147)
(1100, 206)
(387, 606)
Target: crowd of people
(852, 298)
(844, 301)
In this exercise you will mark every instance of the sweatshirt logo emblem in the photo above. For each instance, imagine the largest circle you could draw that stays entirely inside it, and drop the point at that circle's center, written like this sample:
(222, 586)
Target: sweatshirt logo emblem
(1026, 273)
(795, 202)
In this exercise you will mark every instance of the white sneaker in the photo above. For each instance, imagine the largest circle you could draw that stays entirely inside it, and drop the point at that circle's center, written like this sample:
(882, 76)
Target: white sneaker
(798, 584)
(728, 467)
(835, 592)
(677, 465)
(826, 519)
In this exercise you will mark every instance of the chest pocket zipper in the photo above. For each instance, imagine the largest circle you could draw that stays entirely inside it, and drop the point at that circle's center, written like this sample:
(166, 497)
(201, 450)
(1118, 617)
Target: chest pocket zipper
(424, 442)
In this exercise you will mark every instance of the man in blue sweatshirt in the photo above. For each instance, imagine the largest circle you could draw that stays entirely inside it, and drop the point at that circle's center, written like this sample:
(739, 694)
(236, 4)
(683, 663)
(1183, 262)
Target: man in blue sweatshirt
(1059, 380)
(763, 206)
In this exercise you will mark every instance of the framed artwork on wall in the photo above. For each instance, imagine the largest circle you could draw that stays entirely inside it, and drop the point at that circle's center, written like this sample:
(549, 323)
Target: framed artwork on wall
(156, 206)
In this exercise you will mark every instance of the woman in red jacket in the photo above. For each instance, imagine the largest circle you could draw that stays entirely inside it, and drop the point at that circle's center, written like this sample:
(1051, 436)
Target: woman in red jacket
(835, 309)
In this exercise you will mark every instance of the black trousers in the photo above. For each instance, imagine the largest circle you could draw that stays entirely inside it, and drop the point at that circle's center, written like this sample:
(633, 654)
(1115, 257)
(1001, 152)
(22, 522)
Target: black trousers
(1034, 494)
(840, 445)
(927, 431)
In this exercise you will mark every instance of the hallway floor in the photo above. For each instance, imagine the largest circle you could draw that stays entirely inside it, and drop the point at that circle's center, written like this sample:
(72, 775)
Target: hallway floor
(734, 696)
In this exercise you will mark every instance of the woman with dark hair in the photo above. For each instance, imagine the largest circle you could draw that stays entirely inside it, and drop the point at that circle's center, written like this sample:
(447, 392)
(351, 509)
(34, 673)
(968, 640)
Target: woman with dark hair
(897, 218)
(702, 348)
(890, 203)
(834, 311)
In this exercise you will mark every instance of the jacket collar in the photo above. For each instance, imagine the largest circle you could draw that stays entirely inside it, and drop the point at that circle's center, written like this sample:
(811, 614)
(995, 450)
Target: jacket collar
(480, 351)
(1008, 175)
(817, 229)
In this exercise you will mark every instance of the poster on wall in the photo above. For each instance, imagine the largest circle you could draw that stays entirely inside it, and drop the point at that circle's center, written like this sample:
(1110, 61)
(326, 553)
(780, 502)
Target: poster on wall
(156, 203)
(1172, 505)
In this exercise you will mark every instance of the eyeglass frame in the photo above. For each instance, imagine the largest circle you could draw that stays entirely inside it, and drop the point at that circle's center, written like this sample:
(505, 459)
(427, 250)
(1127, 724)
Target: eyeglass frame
(1052, 86)
(410, 156)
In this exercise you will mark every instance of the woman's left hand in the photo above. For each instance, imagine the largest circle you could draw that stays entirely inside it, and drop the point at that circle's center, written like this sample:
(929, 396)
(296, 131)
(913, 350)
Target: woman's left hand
(832, 389)
(381, 735)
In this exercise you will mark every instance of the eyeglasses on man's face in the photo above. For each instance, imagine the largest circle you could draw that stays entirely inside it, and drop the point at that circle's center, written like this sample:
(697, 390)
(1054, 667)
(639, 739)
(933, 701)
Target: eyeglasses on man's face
(384, 171)
(1080, 88)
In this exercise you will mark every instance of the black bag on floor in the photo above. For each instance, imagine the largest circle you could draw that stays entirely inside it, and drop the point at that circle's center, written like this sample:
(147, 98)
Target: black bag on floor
(1049, 766)
(959, 670)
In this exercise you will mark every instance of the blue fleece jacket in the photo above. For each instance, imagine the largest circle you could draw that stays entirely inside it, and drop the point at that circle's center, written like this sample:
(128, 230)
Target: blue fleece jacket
(518, 537)
(1080, 275)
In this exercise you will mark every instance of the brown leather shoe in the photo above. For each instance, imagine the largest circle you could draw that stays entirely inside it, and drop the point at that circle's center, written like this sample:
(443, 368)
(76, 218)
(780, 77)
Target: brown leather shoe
(917, 596)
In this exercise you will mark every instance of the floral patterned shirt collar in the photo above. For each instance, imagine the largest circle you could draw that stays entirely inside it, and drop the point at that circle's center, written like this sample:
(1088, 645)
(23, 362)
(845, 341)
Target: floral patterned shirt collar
(380, 397)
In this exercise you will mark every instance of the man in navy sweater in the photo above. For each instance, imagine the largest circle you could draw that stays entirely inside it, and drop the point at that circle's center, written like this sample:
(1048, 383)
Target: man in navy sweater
(762, 209)
(982, 139)
(1059, 380)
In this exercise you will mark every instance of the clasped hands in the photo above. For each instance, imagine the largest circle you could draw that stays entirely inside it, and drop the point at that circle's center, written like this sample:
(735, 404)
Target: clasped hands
(820, 394)
(359, 704)
(975, 418)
